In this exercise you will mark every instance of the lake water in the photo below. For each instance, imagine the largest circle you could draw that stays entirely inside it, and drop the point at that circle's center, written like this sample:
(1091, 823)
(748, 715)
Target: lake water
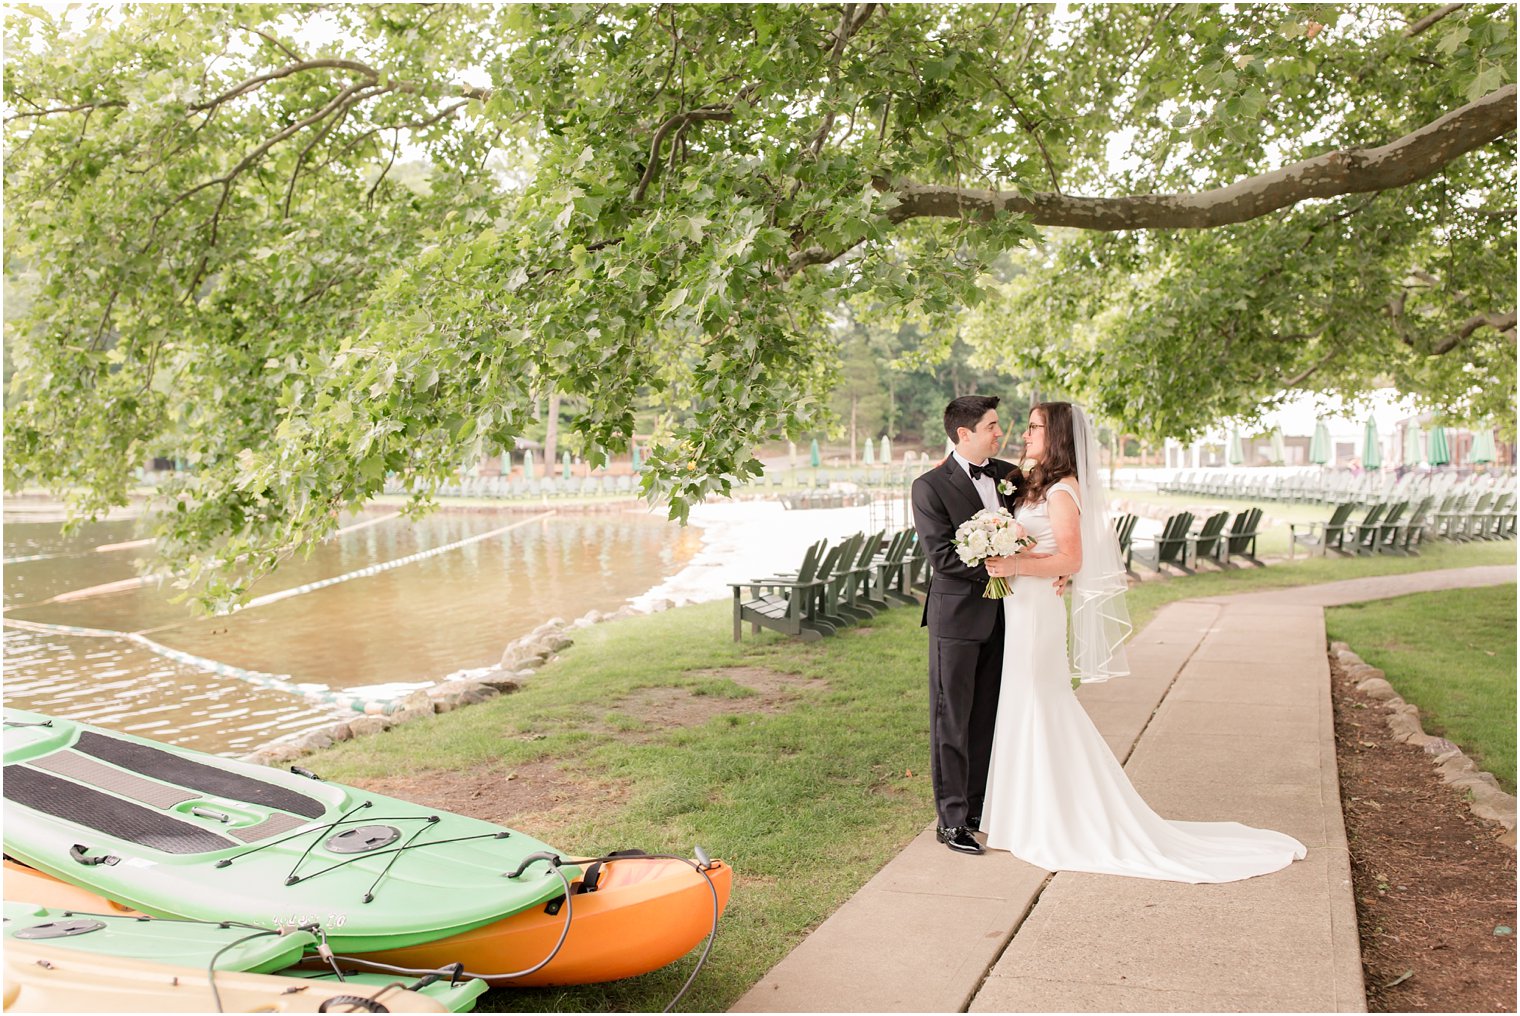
(449, 610)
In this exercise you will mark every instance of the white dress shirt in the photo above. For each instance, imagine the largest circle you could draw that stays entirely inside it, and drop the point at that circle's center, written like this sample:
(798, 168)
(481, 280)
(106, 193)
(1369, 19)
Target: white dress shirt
(986, 486)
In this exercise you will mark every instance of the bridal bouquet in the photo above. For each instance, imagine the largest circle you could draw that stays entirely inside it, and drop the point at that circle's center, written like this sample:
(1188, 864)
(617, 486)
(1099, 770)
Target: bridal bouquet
(991, 532)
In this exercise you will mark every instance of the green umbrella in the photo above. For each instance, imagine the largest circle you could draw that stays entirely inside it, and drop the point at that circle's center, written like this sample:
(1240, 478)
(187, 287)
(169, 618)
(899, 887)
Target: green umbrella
(1482, 446)
(528, 471)
(565, 465)
(637, 462)
(815, 456)
(1279, 449)
(1372, 448)
(1411, 445)
(1319, 447)
(1233, 454)
(886, 450)
(868, 456)
(506, 463)
(1438, 450)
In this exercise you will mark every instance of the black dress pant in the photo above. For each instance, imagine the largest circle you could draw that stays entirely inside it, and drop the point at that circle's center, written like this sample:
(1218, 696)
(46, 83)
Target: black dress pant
(964, 678)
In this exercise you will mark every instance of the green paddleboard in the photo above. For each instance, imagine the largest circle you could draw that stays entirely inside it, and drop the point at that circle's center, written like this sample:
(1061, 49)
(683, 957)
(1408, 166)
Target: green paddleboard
(178, 833)
(203, 946)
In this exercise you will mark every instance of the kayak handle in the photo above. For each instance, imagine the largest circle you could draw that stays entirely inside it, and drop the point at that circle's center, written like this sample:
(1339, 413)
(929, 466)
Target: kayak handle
(542, 855)
(80, 853)
(208, 813)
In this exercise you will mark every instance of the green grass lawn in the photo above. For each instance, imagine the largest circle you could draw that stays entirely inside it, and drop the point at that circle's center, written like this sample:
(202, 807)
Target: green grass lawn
(807, 788)
(1453, 655)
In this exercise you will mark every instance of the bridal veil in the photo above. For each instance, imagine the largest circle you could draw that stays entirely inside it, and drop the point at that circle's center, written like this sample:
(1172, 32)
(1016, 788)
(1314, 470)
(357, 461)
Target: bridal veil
(1099, 615)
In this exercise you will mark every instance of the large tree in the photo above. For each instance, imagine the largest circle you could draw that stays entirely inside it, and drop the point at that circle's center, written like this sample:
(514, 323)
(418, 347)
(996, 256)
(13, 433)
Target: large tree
(668, 201)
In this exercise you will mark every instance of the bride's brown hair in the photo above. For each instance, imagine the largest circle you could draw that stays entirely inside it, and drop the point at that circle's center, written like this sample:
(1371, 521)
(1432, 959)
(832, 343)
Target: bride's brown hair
(1060, 451)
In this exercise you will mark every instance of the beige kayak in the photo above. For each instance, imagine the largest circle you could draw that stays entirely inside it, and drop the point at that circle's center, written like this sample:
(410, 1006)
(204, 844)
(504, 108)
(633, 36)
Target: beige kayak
(42, 978)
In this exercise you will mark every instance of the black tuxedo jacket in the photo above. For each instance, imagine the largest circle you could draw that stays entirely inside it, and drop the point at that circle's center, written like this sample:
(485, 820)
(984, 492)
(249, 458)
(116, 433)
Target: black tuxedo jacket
(943, 498)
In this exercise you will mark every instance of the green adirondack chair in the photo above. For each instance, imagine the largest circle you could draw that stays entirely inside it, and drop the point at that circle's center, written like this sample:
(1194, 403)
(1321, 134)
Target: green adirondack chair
(892, 570)
(824, 604)
(782, 604)
(863, 576)
(1171, 547)
(1240, 541)
(1386, 529)
(1319, 537)
(1363, 535)
(1207, 543)
(1411, 531)
(839, 591)
(1499, 523)
(1124, 529)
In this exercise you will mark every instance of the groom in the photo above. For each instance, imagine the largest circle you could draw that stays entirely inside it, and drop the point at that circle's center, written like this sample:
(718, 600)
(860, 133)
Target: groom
(965, 628)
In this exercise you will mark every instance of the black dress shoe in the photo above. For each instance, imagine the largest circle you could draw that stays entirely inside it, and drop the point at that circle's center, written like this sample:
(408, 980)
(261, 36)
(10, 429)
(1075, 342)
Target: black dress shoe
(959, 839)
(974, 823)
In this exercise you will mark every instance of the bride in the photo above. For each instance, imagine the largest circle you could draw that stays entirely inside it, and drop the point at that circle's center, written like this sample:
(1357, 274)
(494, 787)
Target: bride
(1056, 796)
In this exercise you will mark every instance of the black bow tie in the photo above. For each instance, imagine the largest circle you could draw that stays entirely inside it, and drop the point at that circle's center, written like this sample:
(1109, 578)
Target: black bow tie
(978, 472)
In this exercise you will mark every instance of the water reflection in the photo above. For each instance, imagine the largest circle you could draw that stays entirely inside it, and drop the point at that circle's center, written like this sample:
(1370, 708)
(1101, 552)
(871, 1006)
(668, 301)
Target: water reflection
(416, 622)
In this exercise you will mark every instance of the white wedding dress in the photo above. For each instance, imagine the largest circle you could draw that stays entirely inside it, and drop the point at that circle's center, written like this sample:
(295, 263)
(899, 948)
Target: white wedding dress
(1056, 796)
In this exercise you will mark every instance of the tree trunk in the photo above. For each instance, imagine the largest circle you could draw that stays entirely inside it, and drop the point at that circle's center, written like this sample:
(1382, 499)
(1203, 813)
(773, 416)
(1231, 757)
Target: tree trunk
(854, 402)
(551, 435)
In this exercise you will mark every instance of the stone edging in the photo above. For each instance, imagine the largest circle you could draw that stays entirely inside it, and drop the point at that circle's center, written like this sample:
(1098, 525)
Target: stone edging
(519, 660)
(1486, 800)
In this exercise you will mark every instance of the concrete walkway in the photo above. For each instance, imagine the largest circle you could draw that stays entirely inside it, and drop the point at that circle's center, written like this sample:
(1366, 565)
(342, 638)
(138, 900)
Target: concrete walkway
(1227, 716)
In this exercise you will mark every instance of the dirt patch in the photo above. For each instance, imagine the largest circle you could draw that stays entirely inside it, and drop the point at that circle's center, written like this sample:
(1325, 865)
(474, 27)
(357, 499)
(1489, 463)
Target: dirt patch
(1432, 883)
(660, 709)
(505, 795)
(547, 796)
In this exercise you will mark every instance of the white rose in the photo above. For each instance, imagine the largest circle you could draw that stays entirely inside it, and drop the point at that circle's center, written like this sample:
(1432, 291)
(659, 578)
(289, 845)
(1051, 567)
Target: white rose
(1005, 542)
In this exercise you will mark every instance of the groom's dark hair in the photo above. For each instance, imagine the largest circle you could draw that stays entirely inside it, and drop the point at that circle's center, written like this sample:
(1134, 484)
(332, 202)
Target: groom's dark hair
(967, 411)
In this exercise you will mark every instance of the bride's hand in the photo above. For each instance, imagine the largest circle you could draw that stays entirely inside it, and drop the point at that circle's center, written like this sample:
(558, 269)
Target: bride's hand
(999, 567)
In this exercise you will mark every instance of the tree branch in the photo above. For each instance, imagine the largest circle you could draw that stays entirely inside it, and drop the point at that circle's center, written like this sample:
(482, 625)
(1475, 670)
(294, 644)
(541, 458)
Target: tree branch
(1414, 157)
(272, 41)
(1431, 19)
(655, 143)
(259, 80)
(67, 109)
(1310, 371)
(1504, 324)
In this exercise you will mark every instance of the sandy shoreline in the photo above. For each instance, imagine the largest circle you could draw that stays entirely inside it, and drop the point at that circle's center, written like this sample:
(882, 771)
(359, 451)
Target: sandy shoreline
(748, 539)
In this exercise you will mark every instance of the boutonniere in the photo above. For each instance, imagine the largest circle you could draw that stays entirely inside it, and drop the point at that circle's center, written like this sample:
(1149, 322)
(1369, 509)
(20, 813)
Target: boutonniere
(1006, 487)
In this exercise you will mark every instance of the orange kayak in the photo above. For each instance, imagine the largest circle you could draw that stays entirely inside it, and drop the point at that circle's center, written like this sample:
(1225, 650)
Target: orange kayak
(645, 913)
(28, 885)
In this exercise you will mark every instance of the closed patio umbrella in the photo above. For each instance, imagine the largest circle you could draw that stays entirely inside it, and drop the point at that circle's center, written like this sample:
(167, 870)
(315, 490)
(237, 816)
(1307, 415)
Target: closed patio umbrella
(565, 465)
(1233, 455)
(1372, 448)
(886, 450)
(1438, 450)
(868, 455)
(529, 473)
(1279, 447)
(1319, 446)
(637, 461)
(1411, 445)
(815, 456)
(1482, 446)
